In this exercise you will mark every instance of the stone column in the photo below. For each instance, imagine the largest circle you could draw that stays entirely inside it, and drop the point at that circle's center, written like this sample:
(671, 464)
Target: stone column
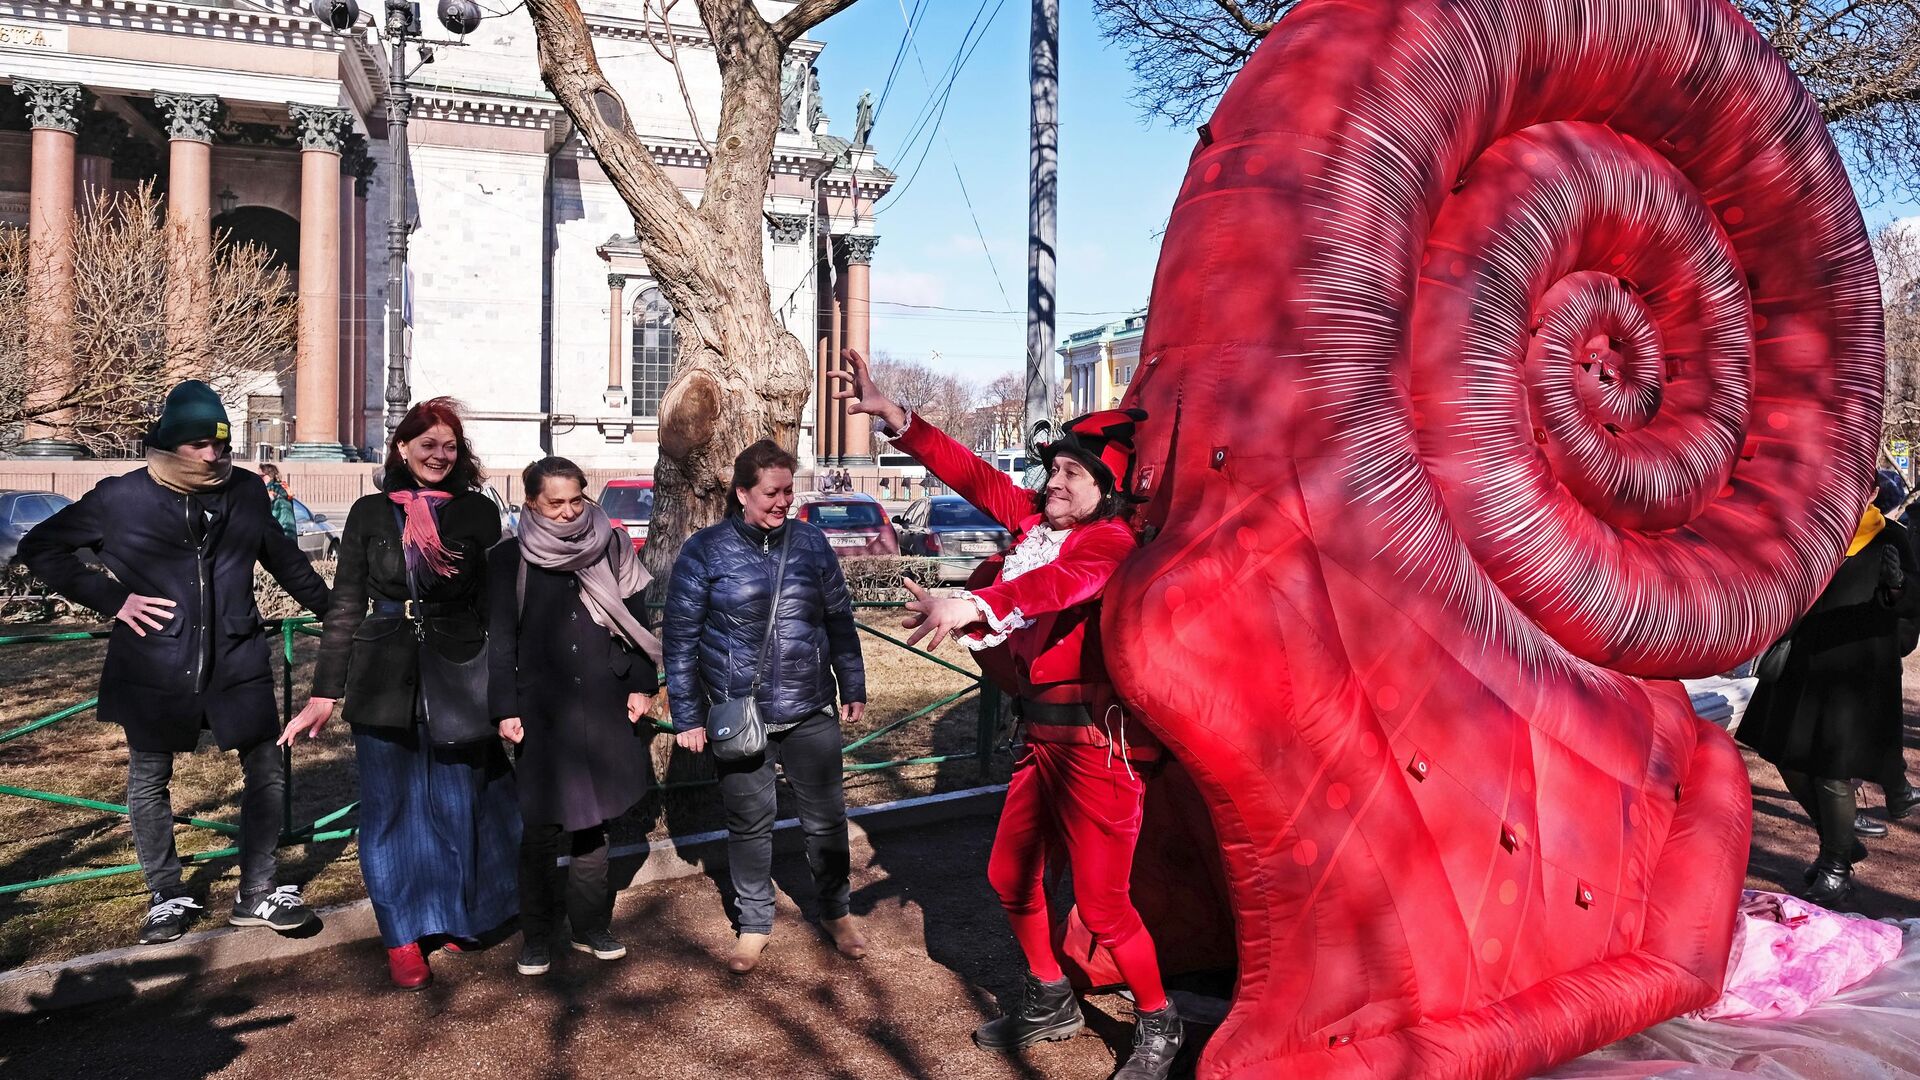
(316, 376)
(857, 253)
(55, 112)
(190, 122)
(617, 335)
(823, 404)
(836, 445)
(100, 133)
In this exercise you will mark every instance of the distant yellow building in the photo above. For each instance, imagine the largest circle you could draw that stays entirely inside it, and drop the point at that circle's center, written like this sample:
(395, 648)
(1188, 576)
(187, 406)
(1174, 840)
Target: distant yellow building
(1100, 363)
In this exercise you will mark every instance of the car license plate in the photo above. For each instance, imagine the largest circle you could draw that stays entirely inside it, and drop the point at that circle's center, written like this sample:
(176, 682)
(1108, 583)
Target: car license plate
(847, 541)
(985, 547)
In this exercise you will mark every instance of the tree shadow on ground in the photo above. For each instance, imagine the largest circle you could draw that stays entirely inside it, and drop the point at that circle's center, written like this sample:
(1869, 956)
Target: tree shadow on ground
(203, 1033)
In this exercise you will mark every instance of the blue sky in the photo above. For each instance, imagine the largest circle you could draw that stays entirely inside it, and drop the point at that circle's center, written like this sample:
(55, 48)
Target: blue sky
(1118, 177)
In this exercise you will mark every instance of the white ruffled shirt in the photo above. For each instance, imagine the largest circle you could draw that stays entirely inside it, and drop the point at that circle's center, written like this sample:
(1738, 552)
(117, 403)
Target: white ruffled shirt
(1036, 549)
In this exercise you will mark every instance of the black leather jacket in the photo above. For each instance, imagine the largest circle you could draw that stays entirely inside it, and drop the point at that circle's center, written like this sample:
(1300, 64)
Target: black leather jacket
(716, 616)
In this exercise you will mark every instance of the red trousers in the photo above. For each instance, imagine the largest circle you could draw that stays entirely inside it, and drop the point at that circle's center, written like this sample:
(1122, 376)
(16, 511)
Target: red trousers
(1089, 802)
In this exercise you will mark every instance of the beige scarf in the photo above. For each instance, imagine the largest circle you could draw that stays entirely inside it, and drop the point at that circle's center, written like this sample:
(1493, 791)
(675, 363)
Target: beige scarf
(188, 476)
(603, 560)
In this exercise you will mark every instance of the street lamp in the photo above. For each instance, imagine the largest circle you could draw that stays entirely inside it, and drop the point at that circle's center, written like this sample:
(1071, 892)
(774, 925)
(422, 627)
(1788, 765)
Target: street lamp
(402, 26)
(228, 200)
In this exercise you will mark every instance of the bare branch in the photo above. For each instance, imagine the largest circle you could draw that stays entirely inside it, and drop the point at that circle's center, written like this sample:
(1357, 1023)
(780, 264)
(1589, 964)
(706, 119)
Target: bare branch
(1253, 29)
(804, 16)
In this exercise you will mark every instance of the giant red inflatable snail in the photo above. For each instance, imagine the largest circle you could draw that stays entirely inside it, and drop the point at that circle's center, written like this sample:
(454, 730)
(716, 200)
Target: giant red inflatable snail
(1507, 360)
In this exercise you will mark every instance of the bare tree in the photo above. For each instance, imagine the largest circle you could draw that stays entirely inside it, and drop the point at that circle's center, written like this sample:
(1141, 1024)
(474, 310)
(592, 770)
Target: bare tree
(1859, 58)
(118, 332)
(915, 386)
(1897, 248)
(738, 375)
(1004, 405)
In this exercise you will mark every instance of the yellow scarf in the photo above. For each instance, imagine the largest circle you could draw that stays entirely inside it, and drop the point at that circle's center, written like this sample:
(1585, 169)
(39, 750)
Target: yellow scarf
(1871, 523)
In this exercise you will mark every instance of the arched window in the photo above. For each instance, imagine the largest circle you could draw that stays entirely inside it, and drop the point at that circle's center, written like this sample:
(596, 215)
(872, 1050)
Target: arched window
(653, 345)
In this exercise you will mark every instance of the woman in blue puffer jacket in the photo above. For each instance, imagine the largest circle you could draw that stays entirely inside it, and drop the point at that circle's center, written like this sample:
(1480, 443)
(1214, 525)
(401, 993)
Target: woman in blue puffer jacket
(716, 619)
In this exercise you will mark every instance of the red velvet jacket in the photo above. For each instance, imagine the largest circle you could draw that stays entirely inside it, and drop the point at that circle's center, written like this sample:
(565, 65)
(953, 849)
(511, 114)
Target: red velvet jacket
(1057, 658)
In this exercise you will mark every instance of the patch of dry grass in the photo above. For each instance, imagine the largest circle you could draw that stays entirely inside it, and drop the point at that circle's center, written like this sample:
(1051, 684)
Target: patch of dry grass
(85, 758)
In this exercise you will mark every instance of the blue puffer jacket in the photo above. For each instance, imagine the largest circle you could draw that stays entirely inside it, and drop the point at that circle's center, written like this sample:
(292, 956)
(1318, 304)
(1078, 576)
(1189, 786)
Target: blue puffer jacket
(717, 613)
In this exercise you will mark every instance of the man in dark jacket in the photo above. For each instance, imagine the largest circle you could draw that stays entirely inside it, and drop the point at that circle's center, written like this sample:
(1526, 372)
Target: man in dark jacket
(188, 650)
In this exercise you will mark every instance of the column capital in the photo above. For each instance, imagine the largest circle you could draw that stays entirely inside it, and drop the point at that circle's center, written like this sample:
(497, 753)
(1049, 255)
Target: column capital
(788, 228)
(322, 127)
(190, 117)
(616, 281)
(854, 250)
(100, 133)
(53, 105)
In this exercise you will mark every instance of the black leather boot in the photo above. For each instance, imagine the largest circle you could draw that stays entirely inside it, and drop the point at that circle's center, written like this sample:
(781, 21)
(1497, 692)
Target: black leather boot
(1157, 1038)
(1868, 826)
(1902, 801)
(1046, 1012)
(1831, 881)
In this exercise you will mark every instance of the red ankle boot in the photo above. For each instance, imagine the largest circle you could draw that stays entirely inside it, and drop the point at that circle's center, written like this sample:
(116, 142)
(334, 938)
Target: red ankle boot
(408, 968)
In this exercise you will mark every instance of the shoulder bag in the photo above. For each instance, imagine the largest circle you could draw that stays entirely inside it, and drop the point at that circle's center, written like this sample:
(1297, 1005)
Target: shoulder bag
(453, 694)
(735, 730)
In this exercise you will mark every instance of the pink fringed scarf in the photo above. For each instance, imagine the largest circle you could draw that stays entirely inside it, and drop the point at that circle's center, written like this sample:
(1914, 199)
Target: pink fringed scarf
(421, 537)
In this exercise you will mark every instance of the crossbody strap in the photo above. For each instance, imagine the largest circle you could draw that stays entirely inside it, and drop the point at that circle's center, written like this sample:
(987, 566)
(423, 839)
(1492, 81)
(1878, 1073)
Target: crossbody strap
(773, 611)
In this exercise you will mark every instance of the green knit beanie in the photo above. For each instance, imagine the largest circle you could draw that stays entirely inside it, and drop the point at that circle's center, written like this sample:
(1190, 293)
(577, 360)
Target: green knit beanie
(193, 411)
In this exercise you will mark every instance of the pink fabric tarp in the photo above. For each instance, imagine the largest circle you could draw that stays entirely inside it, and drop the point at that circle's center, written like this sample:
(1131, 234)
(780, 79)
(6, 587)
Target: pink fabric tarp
(1868, 1032)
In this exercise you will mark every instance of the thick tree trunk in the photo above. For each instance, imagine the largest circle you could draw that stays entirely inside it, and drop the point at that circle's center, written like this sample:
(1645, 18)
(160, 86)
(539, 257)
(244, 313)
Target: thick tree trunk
(738, 376)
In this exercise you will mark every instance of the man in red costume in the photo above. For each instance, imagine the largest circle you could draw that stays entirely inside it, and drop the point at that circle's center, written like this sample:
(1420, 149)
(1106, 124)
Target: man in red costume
(1078, 782)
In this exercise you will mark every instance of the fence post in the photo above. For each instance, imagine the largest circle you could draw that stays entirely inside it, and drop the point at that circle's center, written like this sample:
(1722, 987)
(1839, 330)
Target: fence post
(989, 724)
(286, 717)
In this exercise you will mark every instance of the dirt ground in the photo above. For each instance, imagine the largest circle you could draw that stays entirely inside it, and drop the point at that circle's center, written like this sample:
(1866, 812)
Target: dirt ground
(83, 757)
(941, 956)
(941, 959)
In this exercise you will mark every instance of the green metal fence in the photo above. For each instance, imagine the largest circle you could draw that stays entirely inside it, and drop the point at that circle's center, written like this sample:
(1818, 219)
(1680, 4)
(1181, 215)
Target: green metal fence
(333, 824)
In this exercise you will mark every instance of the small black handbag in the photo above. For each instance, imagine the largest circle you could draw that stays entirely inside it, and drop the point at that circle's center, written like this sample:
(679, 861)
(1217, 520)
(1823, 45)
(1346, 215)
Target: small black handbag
(453, 694)
(735, 729)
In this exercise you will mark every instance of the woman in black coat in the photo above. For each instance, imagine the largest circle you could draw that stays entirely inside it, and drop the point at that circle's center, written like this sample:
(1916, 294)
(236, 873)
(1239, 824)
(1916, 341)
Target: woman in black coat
(439, 827)
(1834, 711)
(573, 674)
(716, 621)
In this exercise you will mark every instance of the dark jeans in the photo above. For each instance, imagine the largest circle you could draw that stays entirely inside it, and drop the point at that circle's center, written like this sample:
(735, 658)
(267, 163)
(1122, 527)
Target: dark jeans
(810, 756)
(150, 809)
(584, 894)
(1831, 806)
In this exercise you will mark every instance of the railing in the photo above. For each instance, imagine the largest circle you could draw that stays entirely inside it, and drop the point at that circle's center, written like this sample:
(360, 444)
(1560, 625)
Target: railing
(328, 826)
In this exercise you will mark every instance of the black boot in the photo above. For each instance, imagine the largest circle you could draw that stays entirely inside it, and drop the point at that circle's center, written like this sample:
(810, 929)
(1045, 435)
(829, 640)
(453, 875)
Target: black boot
(1046, 1012)
(1831, 881)
(1867, 826)
(1902, 801)
(1157, 1038)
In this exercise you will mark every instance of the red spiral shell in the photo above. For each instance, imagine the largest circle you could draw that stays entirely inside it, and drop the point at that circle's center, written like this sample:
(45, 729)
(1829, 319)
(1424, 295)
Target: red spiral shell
(1505, 358)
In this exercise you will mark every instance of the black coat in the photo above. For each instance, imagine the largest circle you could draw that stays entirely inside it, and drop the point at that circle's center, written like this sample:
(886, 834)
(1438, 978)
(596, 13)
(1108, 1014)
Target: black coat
(208, 666)
(567, 678)
(716, 616)
(1835, 711)
(373, 662)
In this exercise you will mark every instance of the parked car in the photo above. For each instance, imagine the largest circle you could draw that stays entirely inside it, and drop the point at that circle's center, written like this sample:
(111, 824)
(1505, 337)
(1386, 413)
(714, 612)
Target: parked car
(20, 511)
(509, 515)
(855, 522)
(629, 502)
(953, 530)
(318, 537)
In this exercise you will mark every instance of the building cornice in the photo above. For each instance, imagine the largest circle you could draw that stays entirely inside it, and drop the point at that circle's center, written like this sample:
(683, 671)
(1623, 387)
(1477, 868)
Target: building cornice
(465, 107)
(224, 24)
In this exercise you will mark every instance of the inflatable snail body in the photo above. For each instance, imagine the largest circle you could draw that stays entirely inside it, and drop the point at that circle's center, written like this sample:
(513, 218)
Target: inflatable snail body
(1507, 360)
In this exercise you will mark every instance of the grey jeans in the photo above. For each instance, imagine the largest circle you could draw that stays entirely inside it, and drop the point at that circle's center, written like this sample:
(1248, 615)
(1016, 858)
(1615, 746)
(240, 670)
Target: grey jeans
(810, 755)
(150, 808)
